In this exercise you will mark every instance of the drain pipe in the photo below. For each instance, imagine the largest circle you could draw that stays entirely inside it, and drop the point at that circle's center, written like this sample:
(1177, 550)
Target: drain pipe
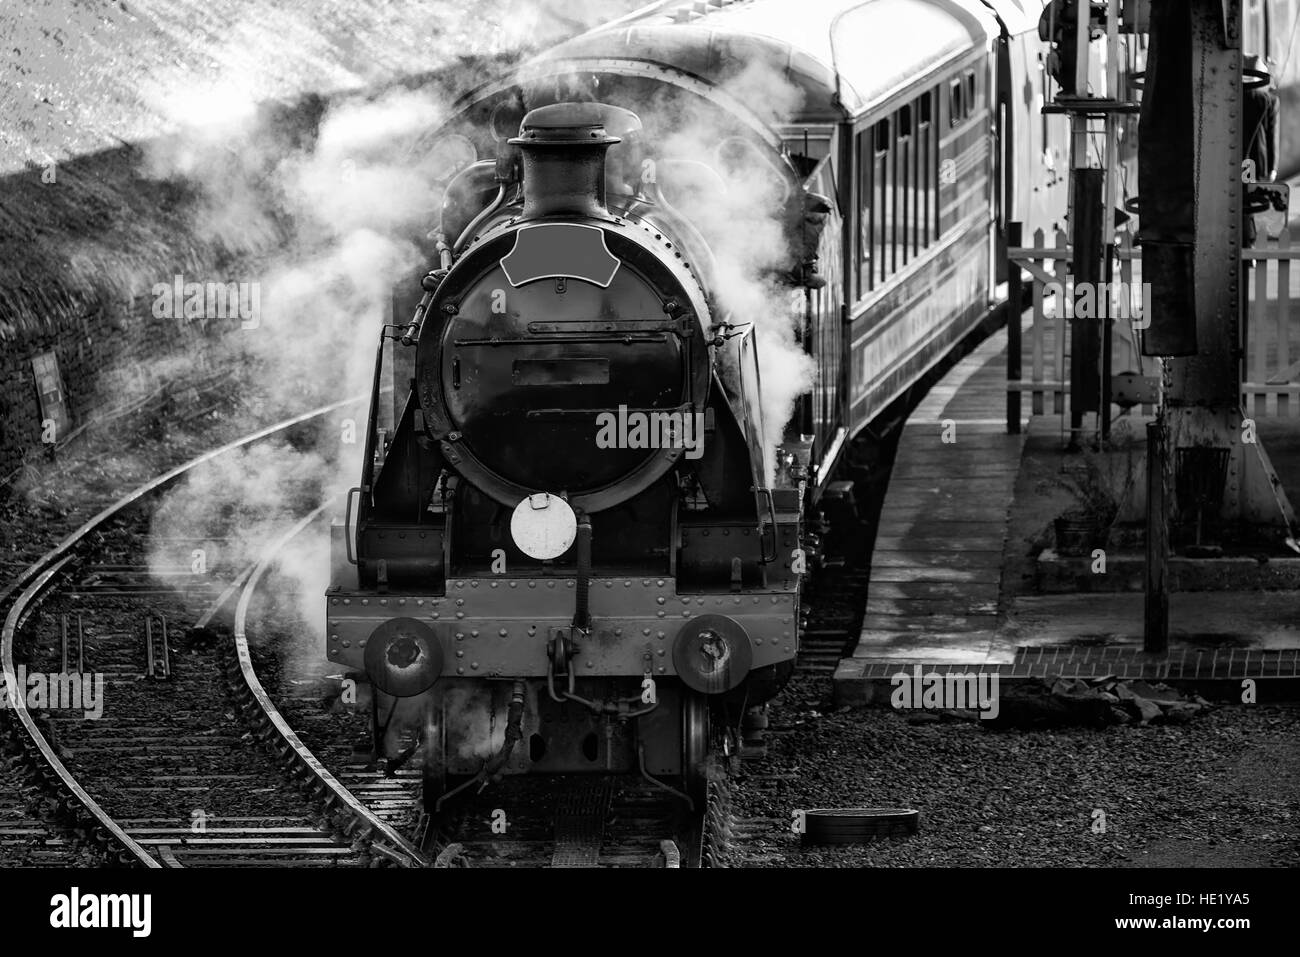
(582, 591)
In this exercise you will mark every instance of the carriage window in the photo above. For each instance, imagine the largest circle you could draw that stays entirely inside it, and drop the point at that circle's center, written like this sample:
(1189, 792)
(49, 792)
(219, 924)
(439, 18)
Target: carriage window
(898, 188)
(956, 103)
(970, 92)
(865, 149)
(873, 147)
(905, 196)
(894, 214)
(932, 180)
(882, 228)
(877, 172)
(882, 136)
(926, 173)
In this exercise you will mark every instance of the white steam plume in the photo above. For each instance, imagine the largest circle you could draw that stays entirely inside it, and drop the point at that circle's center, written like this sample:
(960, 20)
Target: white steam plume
(742, 217)
(349, 208)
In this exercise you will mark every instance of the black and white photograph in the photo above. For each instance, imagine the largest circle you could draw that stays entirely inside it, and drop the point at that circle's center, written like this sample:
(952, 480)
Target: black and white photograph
(829, 440)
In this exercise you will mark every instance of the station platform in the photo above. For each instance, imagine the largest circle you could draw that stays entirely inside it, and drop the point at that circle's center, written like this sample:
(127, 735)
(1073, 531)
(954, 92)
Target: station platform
(963, 578)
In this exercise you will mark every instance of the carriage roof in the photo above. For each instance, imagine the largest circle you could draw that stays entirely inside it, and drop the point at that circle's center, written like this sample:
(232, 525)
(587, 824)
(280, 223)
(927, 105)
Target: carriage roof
(842, 55)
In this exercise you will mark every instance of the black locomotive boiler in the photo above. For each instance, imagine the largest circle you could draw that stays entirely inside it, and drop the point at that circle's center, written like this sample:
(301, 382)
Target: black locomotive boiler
(570, 552)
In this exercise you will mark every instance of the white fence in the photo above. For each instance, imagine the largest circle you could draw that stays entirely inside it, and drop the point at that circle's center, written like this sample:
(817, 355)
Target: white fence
(1271, 371)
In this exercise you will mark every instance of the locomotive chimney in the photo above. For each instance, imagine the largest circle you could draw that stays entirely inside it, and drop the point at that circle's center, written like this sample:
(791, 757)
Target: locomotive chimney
(564, 148)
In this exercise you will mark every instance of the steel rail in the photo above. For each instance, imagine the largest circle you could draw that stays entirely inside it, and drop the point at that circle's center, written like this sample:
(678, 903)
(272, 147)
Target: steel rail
(32, 582)
(401, 851)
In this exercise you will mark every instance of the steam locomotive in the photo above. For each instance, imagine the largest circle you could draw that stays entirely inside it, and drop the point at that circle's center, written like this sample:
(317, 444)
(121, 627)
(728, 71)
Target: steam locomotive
(569, 526)
(579, 536)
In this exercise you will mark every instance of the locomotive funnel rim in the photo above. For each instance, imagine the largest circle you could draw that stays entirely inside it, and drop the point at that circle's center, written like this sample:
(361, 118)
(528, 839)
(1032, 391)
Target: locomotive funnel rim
(565, 124)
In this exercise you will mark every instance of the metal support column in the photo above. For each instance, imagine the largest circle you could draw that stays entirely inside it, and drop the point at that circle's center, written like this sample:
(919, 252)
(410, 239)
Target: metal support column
(1204, 389)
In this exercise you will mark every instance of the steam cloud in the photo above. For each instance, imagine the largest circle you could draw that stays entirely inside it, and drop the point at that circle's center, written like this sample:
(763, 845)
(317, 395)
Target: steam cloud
(346, 210)
(742, 218)
(349, 207)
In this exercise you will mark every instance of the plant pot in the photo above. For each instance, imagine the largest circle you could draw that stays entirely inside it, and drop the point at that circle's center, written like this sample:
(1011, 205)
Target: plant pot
(1076, 537)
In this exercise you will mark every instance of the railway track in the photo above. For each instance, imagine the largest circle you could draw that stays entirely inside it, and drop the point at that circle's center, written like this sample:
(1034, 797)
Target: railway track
(190, 766)
(167, 774)
(608, 821)
(534, 821)
(617, 821)
(372, 811)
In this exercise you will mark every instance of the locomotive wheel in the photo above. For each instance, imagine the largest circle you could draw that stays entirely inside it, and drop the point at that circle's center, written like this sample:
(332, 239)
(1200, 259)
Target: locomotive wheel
(709, 756)
(434, 783)
(697, 740)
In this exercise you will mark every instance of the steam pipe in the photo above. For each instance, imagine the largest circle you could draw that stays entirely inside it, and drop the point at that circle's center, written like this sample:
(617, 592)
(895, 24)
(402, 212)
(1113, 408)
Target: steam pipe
(474, 223)
(494, 768)
(368, 467)
(444, 252)
(430, 283)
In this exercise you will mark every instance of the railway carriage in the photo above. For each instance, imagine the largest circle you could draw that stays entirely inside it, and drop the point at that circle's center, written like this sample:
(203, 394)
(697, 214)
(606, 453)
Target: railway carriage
(522, 597)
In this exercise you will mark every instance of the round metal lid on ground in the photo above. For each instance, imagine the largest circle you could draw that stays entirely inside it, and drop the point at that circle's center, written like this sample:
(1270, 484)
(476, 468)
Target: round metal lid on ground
(858, 825)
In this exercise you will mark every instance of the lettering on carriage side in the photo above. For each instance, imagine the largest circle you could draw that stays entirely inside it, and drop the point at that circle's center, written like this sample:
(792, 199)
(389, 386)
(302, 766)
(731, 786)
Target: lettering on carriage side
(498, 823)
(75, 910)
(1248, 691)
(940, 294)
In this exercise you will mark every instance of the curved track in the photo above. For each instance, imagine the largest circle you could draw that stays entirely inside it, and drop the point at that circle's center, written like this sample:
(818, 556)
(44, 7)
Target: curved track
(172, 765)
(298, 761)
(169, 777)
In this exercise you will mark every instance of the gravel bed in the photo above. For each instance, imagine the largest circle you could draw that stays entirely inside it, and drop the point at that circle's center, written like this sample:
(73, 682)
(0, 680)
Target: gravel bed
(1223, 790)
